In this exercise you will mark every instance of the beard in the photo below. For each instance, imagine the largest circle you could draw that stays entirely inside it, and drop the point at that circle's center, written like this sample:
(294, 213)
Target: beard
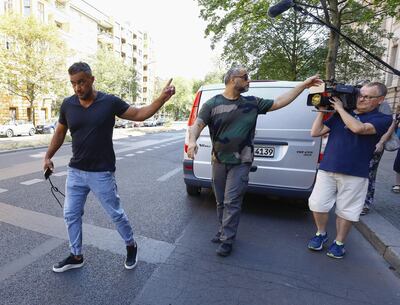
(86, 95)
(242, 89)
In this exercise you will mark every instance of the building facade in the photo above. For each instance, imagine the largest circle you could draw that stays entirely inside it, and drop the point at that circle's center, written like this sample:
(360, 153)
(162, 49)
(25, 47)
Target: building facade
(85, 29)
(392, 57)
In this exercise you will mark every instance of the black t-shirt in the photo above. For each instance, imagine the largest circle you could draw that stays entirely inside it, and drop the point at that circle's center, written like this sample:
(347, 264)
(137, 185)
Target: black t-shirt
(91, 130)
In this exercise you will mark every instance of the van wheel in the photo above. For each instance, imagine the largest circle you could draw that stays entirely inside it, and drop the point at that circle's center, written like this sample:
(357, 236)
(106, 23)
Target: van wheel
(9, 133)
(31, 132)
(193, 190)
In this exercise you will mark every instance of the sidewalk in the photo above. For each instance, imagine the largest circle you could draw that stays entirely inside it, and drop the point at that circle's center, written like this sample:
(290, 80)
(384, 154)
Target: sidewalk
(381, 227)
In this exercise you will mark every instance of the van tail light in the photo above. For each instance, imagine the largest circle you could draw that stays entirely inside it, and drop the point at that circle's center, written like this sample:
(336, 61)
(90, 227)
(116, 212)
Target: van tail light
(192, 117)
(195, 108)
(321, 155)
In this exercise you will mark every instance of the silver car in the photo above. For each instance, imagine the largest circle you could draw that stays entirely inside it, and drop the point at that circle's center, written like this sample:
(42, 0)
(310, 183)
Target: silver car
(17, 128)
(286, 156)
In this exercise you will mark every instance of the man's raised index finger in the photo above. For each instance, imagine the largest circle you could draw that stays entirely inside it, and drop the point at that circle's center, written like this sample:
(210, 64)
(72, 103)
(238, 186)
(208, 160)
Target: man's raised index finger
(169, 82)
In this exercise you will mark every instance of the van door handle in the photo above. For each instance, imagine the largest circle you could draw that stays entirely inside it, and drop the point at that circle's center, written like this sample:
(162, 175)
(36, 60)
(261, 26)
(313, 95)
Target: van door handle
(253, 168)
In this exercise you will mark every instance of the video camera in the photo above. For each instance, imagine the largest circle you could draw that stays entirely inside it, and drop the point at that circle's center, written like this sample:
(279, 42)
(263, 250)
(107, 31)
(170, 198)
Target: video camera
(320, 95)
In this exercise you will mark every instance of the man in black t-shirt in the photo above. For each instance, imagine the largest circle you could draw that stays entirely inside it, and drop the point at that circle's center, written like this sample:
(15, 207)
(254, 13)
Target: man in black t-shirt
(90, 117)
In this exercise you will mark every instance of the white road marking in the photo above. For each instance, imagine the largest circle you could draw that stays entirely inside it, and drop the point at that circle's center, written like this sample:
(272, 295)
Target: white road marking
(140, 152)
(119, 158)
(149, 149)
(3, 190)
(150, 250)
(63, 173)
(38, 155)
(170, 174)
(33, 181)
(129, 155)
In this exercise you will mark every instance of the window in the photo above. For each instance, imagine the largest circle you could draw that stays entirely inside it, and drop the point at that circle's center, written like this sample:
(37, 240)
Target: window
(145, 79)
(29, 113)
(40, 11)
(13, 113)
(144, 89)
(27, 7)
(8, 5)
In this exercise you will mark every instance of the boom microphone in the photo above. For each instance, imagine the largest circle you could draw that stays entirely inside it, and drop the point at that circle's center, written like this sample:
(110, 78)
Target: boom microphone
(280, 7)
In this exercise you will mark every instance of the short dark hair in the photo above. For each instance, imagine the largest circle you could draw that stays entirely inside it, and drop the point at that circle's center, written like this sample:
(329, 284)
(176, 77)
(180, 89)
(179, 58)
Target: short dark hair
(80, 67)
(381, 87)
(232, 72)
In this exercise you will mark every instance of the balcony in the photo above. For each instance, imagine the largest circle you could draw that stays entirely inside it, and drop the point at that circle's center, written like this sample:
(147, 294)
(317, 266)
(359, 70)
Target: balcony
(104, 37)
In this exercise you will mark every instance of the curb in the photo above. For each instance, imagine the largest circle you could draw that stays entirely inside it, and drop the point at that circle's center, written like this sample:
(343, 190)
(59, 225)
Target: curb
(383, 236)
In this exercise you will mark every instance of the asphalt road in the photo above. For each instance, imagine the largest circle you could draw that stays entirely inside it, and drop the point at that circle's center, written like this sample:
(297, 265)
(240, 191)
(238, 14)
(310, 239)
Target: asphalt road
(177, 262)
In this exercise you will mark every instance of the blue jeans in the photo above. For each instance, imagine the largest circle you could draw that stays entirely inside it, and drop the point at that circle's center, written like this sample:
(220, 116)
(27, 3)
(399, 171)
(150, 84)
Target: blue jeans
(103, 185)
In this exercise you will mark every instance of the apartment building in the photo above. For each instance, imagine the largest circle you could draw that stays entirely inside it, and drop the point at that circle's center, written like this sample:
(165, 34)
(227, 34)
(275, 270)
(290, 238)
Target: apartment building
(392, 57)
(85, 29)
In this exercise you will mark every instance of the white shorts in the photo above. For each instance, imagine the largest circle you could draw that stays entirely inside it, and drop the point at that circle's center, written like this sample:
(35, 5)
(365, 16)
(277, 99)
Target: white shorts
(347, 191)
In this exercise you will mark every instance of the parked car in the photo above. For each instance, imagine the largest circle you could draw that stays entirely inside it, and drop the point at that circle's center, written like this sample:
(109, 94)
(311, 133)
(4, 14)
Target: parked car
(150, 122)
(161, 121)
(17, 128)
(47, 127)
(121, 123)
(286, 156)
(138, 123)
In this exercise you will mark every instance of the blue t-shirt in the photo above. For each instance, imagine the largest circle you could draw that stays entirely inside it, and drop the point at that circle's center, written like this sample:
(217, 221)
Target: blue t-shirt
(91, 131)
(348, 153)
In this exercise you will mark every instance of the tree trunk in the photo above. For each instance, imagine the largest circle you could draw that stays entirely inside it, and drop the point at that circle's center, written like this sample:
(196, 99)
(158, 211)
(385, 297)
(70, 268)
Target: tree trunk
(333, 44)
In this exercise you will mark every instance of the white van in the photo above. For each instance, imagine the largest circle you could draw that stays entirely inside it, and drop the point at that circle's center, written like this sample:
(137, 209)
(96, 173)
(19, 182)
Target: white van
(286, 156)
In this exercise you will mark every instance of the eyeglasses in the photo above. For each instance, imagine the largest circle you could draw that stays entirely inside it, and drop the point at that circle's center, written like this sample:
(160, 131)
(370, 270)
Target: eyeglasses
(245, 77)
(368, 97)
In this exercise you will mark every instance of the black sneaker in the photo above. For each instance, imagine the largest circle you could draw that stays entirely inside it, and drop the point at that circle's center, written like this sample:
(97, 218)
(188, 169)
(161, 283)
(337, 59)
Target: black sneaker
(216, 239)
(69, 263)
(224, 249)
(131, 256)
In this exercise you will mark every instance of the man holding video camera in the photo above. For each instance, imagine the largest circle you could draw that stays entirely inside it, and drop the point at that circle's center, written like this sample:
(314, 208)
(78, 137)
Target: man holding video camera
(343, 173)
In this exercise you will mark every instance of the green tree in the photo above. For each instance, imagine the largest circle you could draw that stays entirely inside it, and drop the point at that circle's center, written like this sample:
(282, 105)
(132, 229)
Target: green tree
(114, 76)
(270, 48)
(214, 77)
(32, 59)
(179, 106)
(293, 46)
(361, 21)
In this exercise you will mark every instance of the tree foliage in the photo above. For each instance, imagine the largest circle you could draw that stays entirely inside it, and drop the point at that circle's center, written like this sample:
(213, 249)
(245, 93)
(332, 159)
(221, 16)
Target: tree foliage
(292, 45)
(114, 76)
(32, 59)
(179, 106)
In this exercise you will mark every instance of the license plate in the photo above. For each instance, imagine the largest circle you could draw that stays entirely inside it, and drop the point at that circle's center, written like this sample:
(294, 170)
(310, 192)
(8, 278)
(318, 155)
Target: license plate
(264, 151)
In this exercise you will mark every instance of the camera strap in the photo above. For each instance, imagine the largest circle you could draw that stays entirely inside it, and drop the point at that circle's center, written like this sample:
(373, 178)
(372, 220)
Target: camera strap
(55, 190)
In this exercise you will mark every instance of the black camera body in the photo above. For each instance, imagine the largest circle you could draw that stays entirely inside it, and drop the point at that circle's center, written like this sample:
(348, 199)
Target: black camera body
(320, 96)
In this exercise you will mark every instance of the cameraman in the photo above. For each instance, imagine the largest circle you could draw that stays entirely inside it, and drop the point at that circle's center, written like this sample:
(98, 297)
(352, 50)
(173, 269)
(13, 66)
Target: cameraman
(343, 173)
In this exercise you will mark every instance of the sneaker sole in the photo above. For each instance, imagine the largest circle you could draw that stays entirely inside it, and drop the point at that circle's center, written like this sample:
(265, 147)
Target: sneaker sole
(317, 249)
(130, 267)
(333, 256)
(133, 266)
(68, 267)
